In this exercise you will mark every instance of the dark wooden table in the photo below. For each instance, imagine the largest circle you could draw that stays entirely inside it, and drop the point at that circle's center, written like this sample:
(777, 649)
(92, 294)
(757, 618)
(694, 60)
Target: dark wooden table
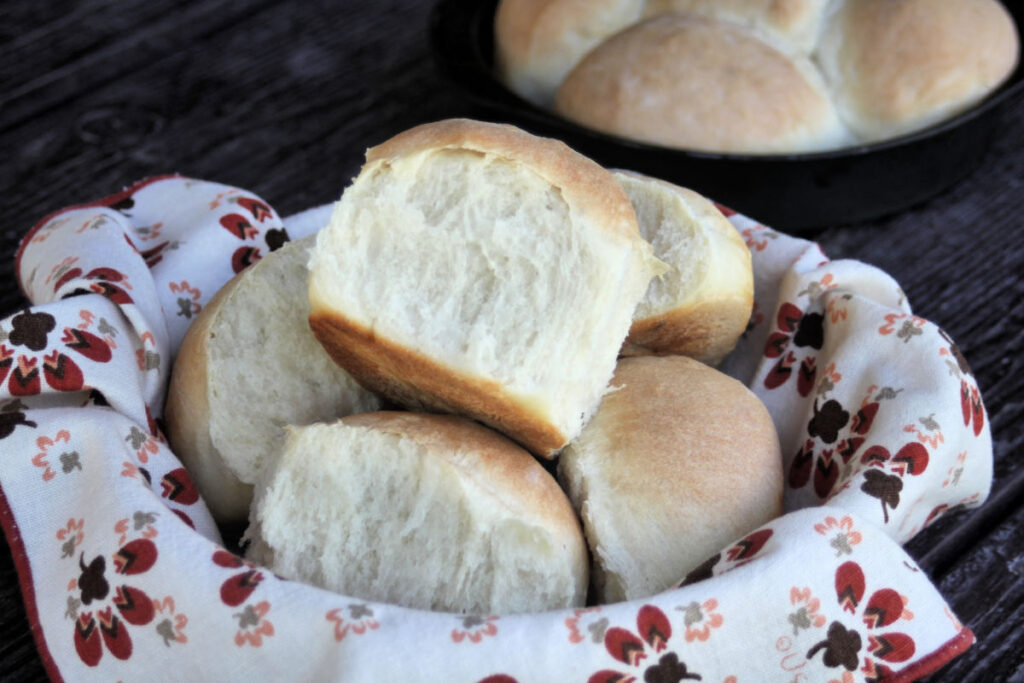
(282, 98)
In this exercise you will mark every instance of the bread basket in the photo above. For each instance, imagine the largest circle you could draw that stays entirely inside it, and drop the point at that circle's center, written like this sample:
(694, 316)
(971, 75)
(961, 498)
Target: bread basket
(125, 575)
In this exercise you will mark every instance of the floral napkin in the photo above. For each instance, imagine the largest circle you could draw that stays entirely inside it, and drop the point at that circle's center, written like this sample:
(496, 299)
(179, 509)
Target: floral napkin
(125, 578)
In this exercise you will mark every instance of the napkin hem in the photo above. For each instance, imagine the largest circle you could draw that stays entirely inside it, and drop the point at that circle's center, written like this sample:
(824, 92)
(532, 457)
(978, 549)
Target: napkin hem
(935, 660)
(107, 200)
(24, 571)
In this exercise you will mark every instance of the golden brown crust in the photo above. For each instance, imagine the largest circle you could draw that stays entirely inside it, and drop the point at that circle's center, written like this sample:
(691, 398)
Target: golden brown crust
(416, 381)
(537, 42)
(492, 461)
(705, 330)
(795, 21)
(587, 187)
(515, 24)
(681, 451)
(740, 94)
(950, 54)
(713, 308)
(672, 399)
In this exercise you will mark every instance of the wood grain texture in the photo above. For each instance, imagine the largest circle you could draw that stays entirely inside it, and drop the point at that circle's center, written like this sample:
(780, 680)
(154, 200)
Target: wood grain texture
(283, 98)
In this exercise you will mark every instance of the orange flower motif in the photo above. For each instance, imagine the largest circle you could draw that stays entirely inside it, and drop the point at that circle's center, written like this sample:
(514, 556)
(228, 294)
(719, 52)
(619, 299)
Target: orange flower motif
(836, 312)
(252, 625)
(752, 242)
(700, 619)
(144, 444)
(140, 521)
(844, 536)
(596, 628)
(910, 327)
(172, 627)
(45, 443)
(188, 301)
(71, 535)
(475, 628)
(360, 620)
(807, 615)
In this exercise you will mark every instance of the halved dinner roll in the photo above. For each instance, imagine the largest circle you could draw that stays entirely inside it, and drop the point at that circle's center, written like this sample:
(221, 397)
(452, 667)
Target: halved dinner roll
(476, 269)
(679, 461)
(900, 65)
(427, 511)
(694, 83)
(701, 305)
(248, 366)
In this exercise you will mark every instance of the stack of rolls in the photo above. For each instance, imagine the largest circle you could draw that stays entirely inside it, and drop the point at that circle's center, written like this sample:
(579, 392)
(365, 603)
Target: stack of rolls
(755, 76)
(485, 282)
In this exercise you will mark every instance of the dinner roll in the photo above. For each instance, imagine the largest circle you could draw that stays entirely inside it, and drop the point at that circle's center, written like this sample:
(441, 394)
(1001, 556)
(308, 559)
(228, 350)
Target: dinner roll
(537, 42)
(427, 511)
(797, 23)
(679, 461)
(686, 81)
(701, 305)
(900, 65)
(476, 269)
(248, 366)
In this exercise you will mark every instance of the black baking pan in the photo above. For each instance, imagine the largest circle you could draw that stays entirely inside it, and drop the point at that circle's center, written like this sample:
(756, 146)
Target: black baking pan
(796, 193)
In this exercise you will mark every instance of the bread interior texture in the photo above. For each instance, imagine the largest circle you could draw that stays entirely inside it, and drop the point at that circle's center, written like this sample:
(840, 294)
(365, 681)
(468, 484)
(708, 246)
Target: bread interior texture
(378, 516)
(480, 263)
(268, 370)
(668, 223)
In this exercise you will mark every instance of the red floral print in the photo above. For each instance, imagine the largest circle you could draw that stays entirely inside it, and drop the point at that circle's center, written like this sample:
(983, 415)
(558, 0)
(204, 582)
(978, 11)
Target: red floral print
(258, 209)
(841, 436)
(801, 330)
(737, 555)
(237, 588)
(108, 282)
(971, 407)
(242, 227)
(103, 627)
(843, 646)
(31, 329)
(911, 459)
(177, 486)
(235, 591)
(653, 631)
(244, 257)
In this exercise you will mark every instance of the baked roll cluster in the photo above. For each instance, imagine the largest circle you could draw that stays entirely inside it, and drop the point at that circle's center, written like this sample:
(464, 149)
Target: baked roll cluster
(755, 76)
(482, 284)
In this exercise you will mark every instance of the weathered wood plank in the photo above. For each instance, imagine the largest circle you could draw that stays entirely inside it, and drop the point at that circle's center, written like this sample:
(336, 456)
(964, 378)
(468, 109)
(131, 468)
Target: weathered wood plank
(124, 38)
